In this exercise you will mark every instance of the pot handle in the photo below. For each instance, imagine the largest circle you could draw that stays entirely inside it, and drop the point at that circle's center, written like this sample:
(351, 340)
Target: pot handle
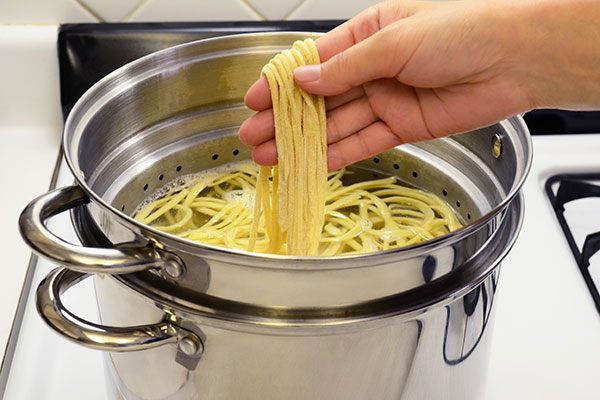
(119, 339)
(84, 259)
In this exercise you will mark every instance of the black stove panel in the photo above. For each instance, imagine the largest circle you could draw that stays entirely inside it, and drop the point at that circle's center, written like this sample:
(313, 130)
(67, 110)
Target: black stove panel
(87, 52)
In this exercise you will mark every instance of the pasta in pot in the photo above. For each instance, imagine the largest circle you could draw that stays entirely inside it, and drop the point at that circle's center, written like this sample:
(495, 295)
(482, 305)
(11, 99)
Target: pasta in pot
(217, 208)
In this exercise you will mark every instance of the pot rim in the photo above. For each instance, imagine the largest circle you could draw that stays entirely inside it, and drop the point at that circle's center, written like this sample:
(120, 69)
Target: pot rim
(295, 320)
(146, 65)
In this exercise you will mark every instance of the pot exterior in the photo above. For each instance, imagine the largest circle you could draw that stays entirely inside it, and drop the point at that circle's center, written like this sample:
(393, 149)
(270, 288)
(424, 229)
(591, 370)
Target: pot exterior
(178, 111)
(410, 323)
(438, 353)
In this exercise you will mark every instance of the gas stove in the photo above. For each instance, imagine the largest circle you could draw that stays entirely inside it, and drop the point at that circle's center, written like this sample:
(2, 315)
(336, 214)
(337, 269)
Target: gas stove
(547, 319)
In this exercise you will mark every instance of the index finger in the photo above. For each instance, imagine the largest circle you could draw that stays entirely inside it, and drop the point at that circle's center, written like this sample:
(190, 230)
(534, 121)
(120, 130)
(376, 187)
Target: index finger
(258, 97)
(340, 38)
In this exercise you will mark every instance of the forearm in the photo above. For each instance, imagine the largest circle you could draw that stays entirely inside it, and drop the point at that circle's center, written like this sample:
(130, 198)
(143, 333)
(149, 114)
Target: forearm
(553, 49)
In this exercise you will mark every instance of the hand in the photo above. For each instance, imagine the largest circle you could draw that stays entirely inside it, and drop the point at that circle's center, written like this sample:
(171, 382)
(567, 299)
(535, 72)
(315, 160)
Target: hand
(405, 71)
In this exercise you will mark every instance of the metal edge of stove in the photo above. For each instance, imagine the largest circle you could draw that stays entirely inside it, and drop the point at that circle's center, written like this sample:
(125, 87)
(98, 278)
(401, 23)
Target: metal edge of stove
(15, 329)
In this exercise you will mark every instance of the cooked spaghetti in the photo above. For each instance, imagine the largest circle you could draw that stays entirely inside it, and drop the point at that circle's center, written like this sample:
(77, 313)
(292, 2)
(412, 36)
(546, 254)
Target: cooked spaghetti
(294, 206)
(217, 208)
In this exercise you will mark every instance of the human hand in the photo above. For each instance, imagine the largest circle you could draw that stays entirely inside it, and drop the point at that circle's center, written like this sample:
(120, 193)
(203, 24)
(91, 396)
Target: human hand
(405, 71)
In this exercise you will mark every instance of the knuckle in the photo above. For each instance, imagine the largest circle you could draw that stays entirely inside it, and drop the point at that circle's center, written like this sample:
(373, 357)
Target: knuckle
(333, 130)
(338, 63)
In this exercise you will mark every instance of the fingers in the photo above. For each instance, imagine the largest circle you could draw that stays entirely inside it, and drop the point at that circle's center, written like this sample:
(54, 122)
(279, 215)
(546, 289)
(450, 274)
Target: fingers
(332, 46)
(265, 153)
(333, 42)
(362, 26)
(342, 123)
(368, 142)
(258, 97)
(332, 102)
(373, 58)
(258, 129)
(347, 34)
(348, 119)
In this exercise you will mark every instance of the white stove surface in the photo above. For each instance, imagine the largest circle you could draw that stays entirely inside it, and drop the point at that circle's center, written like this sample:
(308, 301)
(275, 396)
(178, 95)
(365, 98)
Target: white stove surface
(546, 338)
(59, 368)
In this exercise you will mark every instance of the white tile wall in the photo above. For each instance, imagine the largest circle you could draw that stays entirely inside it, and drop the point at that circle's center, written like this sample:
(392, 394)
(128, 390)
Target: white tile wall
(29, 77)
(41, 12)
(330, 9)
(194, 10)
(61, 11)
(274, 9)
(112, 10)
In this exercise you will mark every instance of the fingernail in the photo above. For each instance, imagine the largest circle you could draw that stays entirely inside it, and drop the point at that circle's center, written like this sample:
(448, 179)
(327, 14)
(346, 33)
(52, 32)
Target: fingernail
(307, 73)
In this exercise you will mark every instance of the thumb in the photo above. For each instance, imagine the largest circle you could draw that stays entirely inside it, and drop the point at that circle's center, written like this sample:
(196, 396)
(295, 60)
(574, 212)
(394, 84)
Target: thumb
(370, 59)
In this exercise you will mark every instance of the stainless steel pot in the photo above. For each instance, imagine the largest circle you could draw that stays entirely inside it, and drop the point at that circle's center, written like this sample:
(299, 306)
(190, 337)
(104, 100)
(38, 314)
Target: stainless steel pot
(428, 343)
(259, 326)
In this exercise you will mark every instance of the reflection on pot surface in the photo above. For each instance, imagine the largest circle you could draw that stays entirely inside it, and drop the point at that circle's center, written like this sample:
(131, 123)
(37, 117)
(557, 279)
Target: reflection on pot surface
(467, 322)
(428, 357)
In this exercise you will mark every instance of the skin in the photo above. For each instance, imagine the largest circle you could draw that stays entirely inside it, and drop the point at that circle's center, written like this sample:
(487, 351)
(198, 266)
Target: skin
(407, 71)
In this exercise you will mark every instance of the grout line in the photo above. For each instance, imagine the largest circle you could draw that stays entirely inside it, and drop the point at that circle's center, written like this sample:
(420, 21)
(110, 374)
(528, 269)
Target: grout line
(135, 10)
(89, 10)
(291, 13)
(253, 10)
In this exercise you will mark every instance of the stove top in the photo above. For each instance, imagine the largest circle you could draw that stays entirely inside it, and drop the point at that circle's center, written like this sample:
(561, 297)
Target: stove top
(546, 331)
(567, 193)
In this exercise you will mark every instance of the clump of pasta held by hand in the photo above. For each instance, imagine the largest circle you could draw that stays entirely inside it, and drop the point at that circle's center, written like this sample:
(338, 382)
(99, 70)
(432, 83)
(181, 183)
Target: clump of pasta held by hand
(296, 207)
(294, 204)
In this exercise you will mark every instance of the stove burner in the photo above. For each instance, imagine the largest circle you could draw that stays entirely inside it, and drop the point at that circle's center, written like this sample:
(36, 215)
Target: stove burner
(574, 187)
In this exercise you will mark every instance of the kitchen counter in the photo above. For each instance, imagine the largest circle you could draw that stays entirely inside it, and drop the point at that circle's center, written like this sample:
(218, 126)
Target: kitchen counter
(545, 340)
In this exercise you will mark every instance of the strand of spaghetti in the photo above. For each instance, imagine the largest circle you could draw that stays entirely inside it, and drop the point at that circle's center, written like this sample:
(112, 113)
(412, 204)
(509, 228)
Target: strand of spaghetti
(298, 168)
(165, 208)
(278, 238)
(311, 156)
(320, 145)
(299, 196)
(199, 187)
(360, 186)
(178, 224)
(322, 139)
(140, 216)
(260, 192)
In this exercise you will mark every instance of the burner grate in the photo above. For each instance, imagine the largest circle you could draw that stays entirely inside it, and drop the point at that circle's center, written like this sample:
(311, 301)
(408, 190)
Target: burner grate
(575, 187)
